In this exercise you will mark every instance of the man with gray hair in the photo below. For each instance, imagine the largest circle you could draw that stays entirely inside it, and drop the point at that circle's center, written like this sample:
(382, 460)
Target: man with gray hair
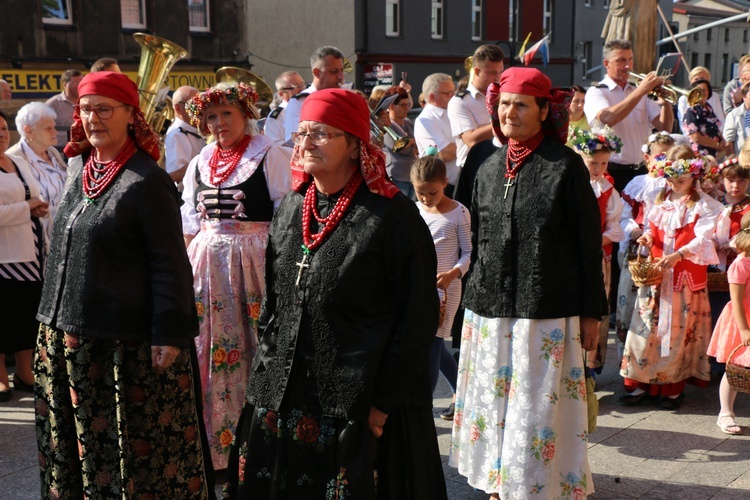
(64, 103)
(182, 141)
(5, 92)
(627, 110)
(432, 128)
(327, 64)
(288, 84)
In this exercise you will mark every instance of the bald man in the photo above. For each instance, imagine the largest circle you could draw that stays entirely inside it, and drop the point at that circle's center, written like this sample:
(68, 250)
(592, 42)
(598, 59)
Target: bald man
(288, 84)
(5, 93)
(182, 141)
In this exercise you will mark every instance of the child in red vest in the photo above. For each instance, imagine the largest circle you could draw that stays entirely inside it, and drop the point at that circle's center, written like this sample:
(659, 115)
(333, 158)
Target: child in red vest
(595, 148)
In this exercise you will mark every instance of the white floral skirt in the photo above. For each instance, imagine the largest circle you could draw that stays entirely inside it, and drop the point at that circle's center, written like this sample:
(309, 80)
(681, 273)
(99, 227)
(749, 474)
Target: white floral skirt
(520, 423)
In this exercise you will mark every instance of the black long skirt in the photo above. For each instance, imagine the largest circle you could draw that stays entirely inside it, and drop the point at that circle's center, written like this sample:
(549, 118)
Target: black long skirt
(299, 453)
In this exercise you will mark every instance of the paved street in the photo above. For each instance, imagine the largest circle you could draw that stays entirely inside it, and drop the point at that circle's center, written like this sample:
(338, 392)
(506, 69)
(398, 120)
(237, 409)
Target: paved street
(642, 452)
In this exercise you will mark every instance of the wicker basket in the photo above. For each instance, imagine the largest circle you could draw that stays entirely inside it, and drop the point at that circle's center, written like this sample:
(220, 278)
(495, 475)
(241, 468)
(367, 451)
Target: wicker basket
(643, 270)
(443, 305)
(717, 281)
(738, 376)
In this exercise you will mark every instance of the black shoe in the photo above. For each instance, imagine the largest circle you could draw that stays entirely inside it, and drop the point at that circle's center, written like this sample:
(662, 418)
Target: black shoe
(5, 395)
(447, 414)
(20, 385)
(672, 403)
(632, 400)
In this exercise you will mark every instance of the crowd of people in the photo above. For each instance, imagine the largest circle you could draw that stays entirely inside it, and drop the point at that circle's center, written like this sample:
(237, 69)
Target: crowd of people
(271, 308)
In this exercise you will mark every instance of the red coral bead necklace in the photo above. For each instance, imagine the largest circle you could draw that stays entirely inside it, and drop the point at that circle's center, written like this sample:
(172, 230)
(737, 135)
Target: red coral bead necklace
(98, 175)
(223, 162)
(330, 223)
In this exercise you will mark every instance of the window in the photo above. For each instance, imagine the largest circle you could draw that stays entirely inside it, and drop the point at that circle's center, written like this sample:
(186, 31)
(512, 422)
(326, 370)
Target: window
(437, 19)
(588, 54)
(696, 35)
(744, 36)
(709, 34)
(606, 4)
(476, 19)
(707, 61)
(588, 3)
(694, 60)
(56, 12)
(725, 67)
(133, 13)
(392, 17)
(547, 19)
(726, 35)
(199, 15)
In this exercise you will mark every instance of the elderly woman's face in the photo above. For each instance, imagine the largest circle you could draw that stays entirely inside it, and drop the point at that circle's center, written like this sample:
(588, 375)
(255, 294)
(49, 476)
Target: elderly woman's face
(332, 156)
(4, 135)
(105, 122)
(520, 116)
(43, 132)
(226, 122)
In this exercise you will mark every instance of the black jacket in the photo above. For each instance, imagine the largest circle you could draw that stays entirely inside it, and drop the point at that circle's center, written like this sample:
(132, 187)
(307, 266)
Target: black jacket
(363, 319)
(118, 267)
(537, 254)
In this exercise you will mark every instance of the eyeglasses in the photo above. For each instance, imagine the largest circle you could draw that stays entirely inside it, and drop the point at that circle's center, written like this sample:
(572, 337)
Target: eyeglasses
(295, 86)
(103, 112)
(317, 138)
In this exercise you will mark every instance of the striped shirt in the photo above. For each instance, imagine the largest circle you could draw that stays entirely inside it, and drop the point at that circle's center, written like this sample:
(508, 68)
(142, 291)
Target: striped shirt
(33, 270)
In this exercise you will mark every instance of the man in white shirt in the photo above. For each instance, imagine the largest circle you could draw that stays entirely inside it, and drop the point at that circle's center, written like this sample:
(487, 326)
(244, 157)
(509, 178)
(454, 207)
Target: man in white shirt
(627, 110)
(182, 141)
(432, 127)
(288, 84)
(64, 103)
(327, 64)
(467, 111)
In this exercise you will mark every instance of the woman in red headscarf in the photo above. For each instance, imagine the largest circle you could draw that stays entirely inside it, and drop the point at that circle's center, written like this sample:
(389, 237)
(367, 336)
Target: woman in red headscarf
(116, 400)
(340, 390)
(231, 189)
(533, 298)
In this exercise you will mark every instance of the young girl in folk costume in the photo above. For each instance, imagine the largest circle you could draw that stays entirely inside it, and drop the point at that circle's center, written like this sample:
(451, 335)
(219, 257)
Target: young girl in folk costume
(732, 328)
(595, 148)
(638, 196)
(671, 325)
(450, 227)
(734, 177)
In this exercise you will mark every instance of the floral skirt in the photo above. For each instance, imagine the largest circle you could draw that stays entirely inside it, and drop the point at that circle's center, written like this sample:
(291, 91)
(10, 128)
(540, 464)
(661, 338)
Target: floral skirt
(520, 427)
(297, 452)
(689, 337)
(110, 426)
(626, 295)
(228, 260)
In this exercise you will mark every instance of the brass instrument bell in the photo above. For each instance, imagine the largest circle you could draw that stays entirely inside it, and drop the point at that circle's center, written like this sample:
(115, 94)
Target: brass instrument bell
(231, 74)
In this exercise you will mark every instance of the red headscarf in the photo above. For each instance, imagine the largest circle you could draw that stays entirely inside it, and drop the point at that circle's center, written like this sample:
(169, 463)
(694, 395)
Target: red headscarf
(121, 88)
(532, 82)
(349, 112)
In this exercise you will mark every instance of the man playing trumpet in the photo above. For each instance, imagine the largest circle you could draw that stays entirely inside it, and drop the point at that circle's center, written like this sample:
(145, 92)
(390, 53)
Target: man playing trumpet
(625, 108)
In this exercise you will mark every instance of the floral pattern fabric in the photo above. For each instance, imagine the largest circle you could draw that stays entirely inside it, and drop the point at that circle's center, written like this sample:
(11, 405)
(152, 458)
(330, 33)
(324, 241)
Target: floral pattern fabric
(702, 120)
(110, 426)
(520, 423)
(228, 259)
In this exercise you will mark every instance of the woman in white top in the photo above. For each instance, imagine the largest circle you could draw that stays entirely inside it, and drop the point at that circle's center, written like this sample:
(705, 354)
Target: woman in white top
(35, 123)
(21, 263)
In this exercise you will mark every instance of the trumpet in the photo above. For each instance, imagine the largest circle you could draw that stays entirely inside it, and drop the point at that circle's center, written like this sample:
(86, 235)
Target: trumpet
(671, 93)
(378, 134)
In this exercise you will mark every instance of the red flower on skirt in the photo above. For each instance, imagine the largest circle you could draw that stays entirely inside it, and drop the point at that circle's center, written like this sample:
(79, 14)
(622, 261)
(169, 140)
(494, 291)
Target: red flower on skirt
(308, 430)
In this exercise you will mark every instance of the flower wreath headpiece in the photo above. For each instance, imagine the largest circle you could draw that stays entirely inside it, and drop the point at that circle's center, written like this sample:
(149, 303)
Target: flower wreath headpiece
(677, 168)
(240, 93)
(646, 148)
(590, 142)
(712, 170)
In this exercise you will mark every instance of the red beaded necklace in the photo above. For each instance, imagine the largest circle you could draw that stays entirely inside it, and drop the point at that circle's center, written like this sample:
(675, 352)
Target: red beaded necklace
(518, 152)
(224, 161)
(309, 206)
(98, 176)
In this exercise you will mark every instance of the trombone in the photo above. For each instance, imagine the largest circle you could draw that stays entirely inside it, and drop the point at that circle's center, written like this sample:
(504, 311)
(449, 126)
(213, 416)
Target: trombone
(376, 131)
(672, 93)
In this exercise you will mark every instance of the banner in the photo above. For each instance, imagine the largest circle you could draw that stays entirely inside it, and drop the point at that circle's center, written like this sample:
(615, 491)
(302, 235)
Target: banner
(41, 84)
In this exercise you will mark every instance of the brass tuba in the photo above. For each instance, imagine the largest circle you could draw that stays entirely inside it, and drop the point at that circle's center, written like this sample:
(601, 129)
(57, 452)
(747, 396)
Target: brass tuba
(231, 74)
(158, 56)
(672, 93)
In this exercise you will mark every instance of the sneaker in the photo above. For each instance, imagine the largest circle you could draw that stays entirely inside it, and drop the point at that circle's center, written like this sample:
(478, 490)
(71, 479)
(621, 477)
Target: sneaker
(447, 414)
